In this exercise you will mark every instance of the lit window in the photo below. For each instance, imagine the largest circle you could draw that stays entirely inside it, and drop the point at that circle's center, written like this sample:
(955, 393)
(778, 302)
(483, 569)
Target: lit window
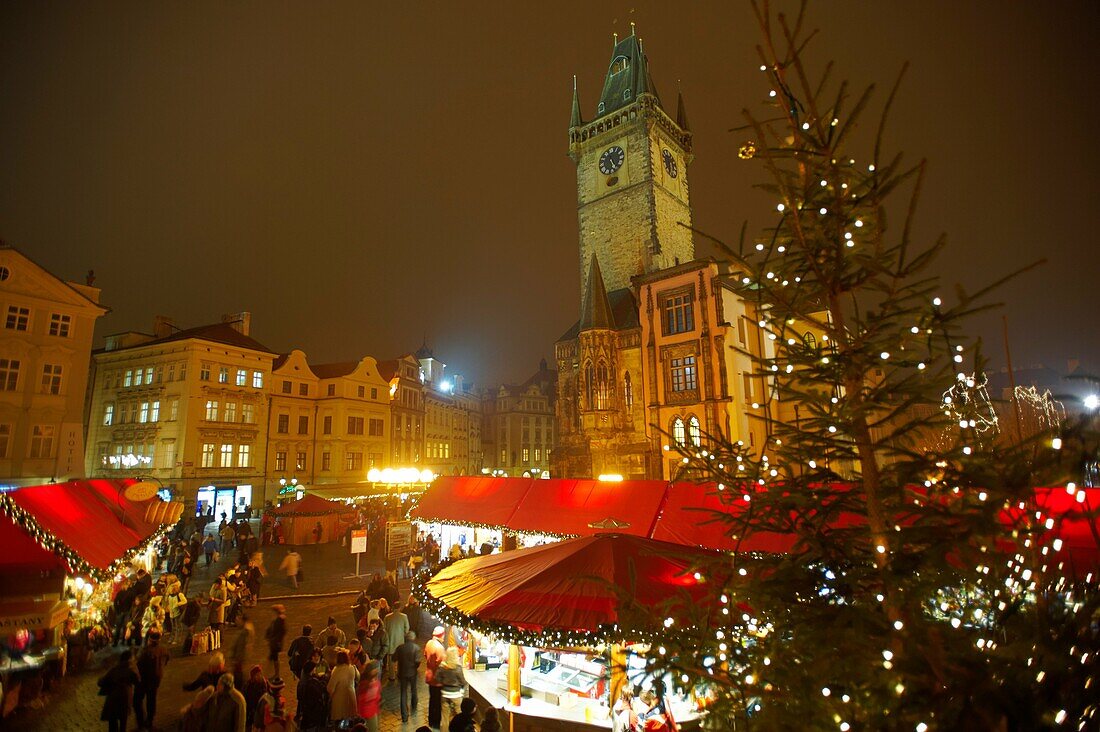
(679, 314)
(129, 378)
(258, 379)
(18, 318)
(694, 432)
(628, 391)
(242, 377)
(109, 414)
(208, 451)
(173, 410)
(60, 325)
(204, 372)
(212, 410)
(230, 411)
(678, 435)
(526, 455)
(148, 374)
(538, 454)
(9, 374)
(282, 425)
(326, 461)
(300, 461)
(223, 374)
(139, 377)
(154, 412)
(244, 456)
(41, 441)
(51, 378)
(683, 373)
(227, 456)
(280, 461)
(169, 453)
(353, 461)
(248, 413)
(143, 413)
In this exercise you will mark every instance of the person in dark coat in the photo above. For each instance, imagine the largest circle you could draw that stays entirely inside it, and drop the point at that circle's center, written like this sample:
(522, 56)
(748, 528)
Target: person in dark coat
(117, 688)
(301, 648)
(150, 668)
(253, 690)
(408, 660)
(312, 710)
(225, 712)
(276, 635)
(123, 605)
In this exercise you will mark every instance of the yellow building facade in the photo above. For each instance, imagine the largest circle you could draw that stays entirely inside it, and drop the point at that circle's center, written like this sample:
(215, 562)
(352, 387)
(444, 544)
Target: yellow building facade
(188, 407)
(45, 350)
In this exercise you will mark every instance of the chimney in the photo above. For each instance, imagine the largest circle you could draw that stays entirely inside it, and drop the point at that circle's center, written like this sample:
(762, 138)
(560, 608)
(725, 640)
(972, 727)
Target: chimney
(163, 326)
(240, 322)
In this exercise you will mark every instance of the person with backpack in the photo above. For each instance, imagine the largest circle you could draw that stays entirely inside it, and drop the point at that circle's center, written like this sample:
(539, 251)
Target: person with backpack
(301, 648)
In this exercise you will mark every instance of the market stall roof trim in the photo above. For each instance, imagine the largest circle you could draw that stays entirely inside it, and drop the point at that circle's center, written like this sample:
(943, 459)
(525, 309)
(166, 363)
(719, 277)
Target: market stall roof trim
(587, 507)
(88, 524)
(574, 585)
(472, 500)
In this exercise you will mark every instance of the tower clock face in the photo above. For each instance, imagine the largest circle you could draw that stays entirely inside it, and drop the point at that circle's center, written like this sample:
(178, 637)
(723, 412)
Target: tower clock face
(611, 159)
(670, 163)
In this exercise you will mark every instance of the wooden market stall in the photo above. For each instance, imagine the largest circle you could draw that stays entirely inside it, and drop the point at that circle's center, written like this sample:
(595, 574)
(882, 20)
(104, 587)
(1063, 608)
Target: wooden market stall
(551, 640)
(299, 519)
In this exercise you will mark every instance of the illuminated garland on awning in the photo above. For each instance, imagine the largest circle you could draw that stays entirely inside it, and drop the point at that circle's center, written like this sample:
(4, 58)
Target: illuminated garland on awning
(52, 543)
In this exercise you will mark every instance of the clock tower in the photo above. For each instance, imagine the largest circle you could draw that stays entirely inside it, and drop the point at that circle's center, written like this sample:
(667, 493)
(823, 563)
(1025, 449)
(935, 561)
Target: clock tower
(632, 188)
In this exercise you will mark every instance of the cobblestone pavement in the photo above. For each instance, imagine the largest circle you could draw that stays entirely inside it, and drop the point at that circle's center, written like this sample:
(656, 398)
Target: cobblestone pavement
(74, 703)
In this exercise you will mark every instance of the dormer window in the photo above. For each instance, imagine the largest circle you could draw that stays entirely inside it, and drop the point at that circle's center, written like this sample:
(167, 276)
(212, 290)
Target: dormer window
(626, 94)
(621, 63)
(601, 108)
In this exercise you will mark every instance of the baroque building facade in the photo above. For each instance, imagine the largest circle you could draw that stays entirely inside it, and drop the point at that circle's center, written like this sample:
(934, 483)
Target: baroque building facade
(662, 354)
(45, 351)
(519, 428)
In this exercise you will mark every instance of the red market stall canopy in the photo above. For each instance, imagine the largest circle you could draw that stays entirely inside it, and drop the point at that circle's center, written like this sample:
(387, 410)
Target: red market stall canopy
(299, 518)
(688, 514)
(587, 507)
(472, 501)
(95, 527)
(568, 586)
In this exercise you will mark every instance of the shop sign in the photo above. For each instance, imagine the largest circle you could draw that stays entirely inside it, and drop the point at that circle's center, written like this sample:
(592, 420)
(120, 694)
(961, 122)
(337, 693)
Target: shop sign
(399, 539)
(358, 541)
(34, 621)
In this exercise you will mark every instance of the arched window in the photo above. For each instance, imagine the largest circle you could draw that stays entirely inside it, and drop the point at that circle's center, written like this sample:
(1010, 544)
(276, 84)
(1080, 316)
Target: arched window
(621, 63)
(589, 386)
(678, 431)
(603, 397)
(694, 433)
(810, 340)
(628, 391)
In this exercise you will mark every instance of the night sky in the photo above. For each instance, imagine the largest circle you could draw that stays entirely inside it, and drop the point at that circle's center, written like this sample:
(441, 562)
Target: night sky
(362, 176)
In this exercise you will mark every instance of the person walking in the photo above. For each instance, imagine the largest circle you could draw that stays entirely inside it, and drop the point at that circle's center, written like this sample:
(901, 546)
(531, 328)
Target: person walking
(209, 549)
(318, 533)
(275, 635)
(117, 689)
(450, 677)
(226, 710)
(292, 565)
(301, 648)
(407, 658)
(368, 697)
(242, 644)
(379, 641)
(228, 534)
(433, 657)
(150, 669)
(342, 683)
(397, 625)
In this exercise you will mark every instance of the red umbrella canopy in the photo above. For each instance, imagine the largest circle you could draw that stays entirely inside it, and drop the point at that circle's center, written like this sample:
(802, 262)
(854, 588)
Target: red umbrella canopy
(569, 585)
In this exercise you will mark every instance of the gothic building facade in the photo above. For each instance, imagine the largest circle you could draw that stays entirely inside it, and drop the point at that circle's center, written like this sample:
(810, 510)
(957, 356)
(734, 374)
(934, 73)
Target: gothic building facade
(662, 350)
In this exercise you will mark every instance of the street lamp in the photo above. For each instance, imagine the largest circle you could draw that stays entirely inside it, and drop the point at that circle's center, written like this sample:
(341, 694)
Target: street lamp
(1092, 402)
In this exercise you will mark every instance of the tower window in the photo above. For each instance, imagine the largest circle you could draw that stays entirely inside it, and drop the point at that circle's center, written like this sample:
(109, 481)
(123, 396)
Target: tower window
(621, 63)
(626, 94)
(679, 311)
(694, 432)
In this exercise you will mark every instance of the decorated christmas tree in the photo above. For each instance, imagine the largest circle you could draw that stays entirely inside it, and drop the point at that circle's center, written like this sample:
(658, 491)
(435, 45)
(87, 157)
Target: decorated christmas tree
(924, 583)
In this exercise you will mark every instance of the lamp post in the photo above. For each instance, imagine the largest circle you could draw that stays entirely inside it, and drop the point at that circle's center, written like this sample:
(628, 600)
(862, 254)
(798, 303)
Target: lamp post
(284, 489)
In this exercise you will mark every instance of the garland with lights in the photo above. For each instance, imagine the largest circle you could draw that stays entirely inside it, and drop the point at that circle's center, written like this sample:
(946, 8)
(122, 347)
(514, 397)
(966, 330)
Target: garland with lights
(492, 527)
(607, 634)
(52, 543)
